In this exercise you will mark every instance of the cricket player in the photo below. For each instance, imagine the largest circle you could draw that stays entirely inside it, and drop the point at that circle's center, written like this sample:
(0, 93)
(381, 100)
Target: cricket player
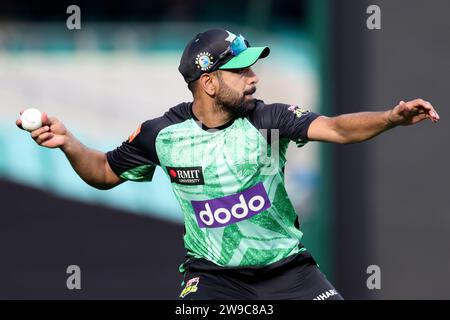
(224, 154)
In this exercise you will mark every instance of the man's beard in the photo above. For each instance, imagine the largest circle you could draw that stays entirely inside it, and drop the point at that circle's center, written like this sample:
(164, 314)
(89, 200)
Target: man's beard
(232, 102)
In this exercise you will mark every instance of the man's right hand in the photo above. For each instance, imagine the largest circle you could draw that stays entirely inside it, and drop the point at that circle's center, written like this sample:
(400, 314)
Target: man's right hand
(91, 165)
(52, 134)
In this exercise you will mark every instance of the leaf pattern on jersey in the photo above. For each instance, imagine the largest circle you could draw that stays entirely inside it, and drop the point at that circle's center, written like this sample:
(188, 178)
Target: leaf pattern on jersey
(213, 189)
(264, 220)
(227, 158)
(194, 235)
(175, 144)
(212, 186)
(230, 242)
(283, 204)
(245, 170)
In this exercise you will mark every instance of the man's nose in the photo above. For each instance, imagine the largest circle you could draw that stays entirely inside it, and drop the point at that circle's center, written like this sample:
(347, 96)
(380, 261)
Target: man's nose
(253, 78)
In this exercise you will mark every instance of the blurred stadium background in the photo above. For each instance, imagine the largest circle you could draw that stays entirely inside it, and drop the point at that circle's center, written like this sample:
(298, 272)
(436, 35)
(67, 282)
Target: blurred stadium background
(381, 203)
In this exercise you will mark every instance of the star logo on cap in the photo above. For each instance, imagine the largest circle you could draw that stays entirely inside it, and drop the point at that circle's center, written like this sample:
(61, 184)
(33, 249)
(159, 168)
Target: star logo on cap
(204, 61)
(231, 37)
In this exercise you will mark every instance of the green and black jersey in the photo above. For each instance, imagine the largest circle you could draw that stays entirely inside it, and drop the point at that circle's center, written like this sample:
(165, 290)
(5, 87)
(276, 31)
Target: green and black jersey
(229, 180)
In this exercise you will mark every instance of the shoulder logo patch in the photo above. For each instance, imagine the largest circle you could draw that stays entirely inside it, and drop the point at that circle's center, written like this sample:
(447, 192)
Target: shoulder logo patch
(134, 134)
(297, 111)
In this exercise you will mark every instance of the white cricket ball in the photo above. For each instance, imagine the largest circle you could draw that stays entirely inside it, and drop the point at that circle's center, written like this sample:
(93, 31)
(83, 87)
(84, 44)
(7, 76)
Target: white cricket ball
(31, 119)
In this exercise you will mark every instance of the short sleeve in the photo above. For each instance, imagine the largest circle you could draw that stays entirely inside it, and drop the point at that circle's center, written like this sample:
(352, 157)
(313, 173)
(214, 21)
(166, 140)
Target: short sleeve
(136, 159)
(291, 121)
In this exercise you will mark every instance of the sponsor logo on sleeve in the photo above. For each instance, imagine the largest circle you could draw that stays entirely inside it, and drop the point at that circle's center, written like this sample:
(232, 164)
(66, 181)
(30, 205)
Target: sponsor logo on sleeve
(186, 175)
(297, 111)
(221, 212)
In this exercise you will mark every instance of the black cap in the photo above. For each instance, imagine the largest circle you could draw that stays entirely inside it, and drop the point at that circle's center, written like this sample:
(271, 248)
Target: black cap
(209, 51)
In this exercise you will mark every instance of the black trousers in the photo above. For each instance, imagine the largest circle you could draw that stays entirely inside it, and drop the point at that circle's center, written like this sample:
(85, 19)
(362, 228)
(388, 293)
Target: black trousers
(294, 278)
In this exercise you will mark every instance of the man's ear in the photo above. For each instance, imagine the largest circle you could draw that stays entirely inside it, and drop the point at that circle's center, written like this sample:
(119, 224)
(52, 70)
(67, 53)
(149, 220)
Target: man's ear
(209, 83)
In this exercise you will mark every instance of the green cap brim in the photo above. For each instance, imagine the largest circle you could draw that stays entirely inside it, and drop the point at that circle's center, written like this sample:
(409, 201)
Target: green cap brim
(247, 58)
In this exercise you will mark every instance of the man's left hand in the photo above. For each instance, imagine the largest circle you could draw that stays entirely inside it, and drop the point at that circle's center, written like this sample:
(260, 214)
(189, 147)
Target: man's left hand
(412, 112)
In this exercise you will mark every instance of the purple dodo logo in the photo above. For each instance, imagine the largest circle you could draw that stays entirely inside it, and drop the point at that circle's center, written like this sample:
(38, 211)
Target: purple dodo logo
(221, 212)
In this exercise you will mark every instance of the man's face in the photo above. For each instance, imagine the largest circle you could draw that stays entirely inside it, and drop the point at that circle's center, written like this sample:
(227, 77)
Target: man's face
(236, 89)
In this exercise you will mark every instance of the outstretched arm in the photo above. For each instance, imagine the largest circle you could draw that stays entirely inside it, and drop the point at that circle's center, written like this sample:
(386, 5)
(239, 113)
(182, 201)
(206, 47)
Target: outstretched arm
(361, 126)
(91, 165)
